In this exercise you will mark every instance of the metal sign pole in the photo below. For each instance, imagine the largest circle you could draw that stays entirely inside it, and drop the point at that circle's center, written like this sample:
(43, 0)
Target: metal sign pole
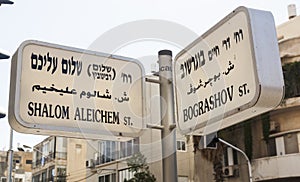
(168, 135)
(10, 157)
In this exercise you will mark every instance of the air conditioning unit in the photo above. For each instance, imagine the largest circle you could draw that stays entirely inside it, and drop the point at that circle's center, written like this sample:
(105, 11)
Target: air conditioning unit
(228, 171)
(3, 179)
(90, 163)
(274, 126)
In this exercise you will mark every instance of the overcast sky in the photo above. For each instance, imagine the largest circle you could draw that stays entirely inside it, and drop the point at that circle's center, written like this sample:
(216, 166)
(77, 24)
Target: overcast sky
(83, 24)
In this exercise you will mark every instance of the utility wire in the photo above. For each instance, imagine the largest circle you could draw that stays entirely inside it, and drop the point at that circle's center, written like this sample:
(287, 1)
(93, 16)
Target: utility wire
(86, 177)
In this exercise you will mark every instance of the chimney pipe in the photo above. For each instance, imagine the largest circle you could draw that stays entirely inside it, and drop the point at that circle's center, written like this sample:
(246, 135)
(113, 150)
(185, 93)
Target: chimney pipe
(292, 11)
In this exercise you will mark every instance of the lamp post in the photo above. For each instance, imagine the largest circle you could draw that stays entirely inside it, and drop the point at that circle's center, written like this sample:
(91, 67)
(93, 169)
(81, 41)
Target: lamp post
(10, 157)
(10, 150)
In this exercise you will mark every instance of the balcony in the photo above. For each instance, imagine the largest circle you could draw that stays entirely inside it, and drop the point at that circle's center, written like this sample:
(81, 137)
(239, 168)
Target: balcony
(285, 166)
(43, 160)
(289, 102)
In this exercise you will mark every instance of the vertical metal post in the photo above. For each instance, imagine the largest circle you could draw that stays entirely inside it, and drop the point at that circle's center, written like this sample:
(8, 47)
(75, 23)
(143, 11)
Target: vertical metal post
(168, 135)
(117, 172)
(2, 115)
(10, 157)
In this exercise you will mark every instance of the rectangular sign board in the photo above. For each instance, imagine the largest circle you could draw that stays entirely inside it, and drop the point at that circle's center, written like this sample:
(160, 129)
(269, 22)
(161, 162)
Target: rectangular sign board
(231, 73)
(63, 91)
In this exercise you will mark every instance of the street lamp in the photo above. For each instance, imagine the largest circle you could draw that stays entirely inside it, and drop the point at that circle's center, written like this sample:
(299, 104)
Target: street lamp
(2, 115)
(3, 56)
(5, 2)
(27, 147)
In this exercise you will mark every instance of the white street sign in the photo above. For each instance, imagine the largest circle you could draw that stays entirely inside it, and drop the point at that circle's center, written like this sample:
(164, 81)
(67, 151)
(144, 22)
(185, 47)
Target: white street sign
(229, 74)
(63, 91)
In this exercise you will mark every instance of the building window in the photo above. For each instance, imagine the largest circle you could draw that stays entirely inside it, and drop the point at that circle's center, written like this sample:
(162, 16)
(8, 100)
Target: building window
(125, 174)
(78, 148)
(291, 143)
(107, 151)
(18, 180)
(271, 147)
(280, 145)
(36, 178)
(45, 148)
(107, 178)
(51, 173)
(285, 144)
(61, 144)
(181, 145)
(126, 148)
(183, 179)
(61, 174)
(111, 150)
(44, 176)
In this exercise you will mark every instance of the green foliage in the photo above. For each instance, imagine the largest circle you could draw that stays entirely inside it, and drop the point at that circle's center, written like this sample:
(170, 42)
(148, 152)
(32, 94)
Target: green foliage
(215, 156)
(218, 169)
(248, 138)
(266, 126)
(291, 73)
(138, 165)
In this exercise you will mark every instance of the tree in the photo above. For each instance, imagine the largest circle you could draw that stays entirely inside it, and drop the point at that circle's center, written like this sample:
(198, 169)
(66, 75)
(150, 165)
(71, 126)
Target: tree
(138, 165)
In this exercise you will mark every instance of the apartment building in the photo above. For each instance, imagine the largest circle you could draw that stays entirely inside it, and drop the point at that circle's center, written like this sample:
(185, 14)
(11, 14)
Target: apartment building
(21, 168)
(50, 160)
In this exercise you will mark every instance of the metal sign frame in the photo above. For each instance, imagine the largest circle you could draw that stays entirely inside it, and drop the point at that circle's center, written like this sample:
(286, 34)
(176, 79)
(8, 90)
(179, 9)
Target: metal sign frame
(77, 129)
(266, 79)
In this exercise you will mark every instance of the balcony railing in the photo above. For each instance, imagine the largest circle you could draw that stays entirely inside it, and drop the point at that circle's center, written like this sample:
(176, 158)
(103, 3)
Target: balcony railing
(276, 167)
(49, 158)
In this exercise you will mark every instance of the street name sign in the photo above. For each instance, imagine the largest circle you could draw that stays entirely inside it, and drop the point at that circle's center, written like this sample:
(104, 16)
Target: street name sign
(229, 74)
(64, 91)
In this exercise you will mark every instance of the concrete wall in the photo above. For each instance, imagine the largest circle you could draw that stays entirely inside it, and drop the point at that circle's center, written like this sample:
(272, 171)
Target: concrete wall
(287, 119)
(286, 166)
(76, 158)
(290, 50)
(289, 29)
